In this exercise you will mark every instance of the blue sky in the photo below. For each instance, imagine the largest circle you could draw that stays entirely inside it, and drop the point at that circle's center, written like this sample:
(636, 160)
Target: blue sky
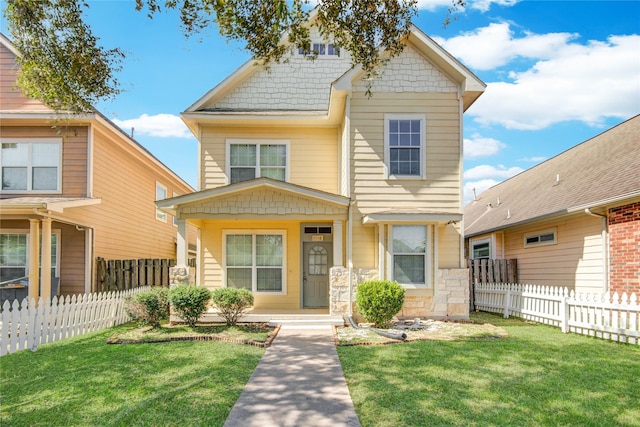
(557, 73)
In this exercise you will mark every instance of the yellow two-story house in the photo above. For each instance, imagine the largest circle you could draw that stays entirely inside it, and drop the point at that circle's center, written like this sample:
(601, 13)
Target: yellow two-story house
(308, 185)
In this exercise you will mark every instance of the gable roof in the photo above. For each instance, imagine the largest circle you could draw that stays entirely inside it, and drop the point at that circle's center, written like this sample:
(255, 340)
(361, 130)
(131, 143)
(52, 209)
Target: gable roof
(599, 171)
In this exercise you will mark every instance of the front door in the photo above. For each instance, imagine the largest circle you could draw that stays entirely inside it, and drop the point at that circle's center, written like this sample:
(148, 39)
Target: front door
(318, 259)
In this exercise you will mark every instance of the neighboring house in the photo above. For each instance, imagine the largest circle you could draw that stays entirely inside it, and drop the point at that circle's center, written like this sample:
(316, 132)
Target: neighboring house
(573, 220)
(306, 181)
(73, 188)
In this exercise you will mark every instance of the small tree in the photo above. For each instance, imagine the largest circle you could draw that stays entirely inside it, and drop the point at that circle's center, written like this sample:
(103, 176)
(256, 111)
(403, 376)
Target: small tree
(233, 303)
(189, 302)
(149, 307)
(379, 300)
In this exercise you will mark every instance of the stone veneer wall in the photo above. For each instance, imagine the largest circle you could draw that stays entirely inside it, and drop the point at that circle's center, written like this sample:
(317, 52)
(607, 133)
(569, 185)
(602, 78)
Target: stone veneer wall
(450, 299)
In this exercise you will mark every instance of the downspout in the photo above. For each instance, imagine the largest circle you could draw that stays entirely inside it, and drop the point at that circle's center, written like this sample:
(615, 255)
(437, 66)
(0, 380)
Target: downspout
(349, 256)
(605, 247)
(461, 177)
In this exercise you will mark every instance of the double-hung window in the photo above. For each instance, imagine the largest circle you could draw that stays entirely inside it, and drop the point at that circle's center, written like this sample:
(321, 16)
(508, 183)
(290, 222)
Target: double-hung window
(14, 263)
(32, 166)
(481, 249)
(404, 143)
(409, 254)
(248, 160)
(255, 261)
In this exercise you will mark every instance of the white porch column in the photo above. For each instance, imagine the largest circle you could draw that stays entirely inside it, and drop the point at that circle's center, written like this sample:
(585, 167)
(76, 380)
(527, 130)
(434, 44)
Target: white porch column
(182, 246)
(34, 259)
(45, 263)
(337, 243)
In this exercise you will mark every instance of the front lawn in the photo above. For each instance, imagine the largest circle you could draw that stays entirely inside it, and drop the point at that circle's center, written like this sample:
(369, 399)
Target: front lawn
(535, 377)
(84, 381)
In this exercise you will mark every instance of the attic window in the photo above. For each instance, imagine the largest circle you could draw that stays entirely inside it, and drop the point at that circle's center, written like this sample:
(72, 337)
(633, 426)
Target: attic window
(321, 49)
(540, 238)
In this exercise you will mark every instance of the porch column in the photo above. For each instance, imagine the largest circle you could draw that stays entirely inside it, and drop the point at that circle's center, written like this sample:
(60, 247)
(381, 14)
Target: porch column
(337, 243)
(33, 256)
(45, 263)
(182, 247)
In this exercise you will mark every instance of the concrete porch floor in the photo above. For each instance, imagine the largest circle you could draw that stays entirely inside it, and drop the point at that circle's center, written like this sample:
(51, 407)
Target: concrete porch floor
(307, 316)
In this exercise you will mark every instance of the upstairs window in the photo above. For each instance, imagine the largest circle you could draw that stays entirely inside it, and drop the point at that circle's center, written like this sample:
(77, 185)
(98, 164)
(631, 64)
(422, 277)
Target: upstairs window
(405, 146)
(254, 160)
(31, 166)
(321, 49)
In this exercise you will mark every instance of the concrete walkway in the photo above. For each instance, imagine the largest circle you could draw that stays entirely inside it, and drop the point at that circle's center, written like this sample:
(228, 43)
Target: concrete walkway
(298, 382)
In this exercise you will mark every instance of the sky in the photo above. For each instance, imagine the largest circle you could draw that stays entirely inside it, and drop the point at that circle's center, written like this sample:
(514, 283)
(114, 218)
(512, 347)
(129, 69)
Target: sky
(557, 74)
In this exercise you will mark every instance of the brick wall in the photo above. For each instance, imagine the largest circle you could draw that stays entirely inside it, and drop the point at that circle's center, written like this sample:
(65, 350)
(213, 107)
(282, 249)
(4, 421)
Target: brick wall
(624, 249)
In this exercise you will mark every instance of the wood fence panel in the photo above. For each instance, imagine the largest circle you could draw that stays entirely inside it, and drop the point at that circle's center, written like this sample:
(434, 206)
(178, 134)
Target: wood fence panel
(120, 275)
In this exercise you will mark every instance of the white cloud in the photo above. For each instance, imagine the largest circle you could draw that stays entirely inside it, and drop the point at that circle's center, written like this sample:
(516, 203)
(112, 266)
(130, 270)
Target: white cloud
(535, 159)
(432, 5)
(477, 146)
(159, 125)
(489, 171)
(569, 81)
(479, 186)
(481, 5)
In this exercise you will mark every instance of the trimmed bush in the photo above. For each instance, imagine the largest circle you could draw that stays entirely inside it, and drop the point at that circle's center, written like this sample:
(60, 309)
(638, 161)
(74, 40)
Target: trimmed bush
(150, 307)
(232, 303)
(189, 302)
(379, 300)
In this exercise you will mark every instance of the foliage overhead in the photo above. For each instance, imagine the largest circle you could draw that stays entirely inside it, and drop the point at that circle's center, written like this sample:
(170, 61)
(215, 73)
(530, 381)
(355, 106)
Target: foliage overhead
(63, 65)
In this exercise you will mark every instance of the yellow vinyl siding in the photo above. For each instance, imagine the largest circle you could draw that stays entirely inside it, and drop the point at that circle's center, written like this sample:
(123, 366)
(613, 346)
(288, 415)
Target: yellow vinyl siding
(449, 246)
(575, 261)
(212, 266)
(313, 154)
(441, 189)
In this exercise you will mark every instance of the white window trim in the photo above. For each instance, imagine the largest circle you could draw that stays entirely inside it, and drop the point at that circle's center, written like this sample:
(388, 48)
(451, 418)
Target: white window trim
(257, 142)
(56, 231)
(423, 146)
(473, 242)
(430, 261)
(538, 233)
(175, 218)
(31, 141)
(254, 232)
(326, 49)
(160, 215)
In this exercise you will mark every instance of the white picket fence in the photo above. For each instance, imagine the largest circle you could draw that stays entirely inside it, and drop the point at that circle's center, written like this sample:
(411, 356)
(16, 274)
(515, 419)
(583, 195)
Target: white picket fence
(23, 324)
(613, 317)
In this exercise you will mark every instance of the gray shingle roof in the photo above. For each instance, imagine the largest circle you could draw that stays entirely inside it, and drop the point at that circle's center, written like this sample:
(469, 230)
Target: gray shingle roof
(602, 168)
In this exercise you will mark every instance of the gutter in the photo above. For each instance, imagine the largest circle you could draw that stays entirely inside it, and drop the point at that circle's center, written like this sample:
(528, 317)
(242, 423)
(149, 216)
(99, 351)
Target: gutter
(605, 247)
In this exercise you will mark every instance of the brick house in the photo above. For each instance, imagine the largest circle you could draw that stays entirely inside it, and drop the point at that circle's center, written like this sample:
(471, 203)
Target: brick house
(573, 220)
(309, 186)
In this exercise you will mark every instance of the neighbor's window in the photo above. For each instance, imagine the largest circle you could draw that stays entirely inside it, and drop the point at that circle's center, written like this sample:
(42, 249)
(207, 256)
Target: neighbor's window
(14, 263)
(161, 194)
(31, 166)
(409, 252)
(404, 142)
(540, 238)
(255, 261)
(480, 249)
(253, 160)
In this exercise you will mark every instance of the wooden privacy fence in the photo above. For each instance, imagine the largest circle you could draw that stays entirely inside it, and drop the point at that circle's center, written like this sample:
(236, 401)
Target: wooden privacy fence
(122, 274)
(613, 317)
(25, 325)
(490, 271)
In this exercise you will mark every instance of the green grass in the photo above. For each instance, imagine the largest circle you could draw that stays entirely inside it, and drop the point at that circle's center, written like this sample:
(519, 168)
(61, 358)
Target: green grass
(535, 377)
(85, 382)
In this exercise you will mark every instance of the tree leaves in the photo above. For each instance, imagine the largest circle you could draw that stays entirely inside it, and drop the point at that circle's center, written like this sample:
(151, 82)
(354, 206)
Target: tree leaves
(63, 65)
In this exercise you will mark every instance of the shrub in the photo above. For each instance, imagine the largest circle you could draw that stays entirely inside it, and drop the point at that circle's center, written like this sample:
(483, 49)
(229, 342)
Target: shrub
(189, 302)
(149, 307)
(379, 300)
(233, 303)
